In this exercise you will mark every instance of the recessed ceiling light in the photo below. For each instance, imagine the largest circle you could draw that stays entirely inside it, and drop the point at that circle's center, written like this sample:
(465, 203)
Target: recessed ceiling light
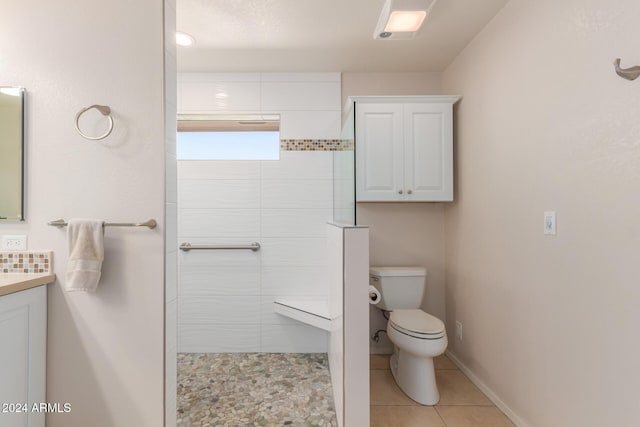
(184, 39)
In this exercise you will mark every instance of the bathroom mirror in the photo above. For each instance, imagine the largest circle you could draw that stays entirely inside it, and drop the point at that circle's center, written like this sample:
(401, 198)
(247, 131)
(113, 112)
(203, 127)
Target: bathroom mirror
(11, 153)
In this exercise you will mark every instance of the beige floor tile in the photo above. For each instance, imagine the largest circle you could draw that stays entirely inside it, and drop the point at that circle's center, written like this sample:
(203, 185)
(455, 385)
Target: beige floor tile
(473, 416)
(405, 416)
(379, 361)
(456, 389)
(443, 362)
(385, 391)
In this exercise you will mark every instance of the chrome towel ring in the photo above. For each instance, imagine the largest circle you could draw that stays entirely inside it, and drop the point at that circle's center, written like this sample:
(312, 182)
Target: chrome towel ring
(106, 111)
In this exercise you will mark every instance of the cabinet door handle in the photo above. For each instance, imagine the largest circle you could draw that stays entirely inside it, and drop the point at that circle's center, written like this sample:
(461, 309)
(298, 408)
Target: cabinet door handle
(409, 192)
(399, 191)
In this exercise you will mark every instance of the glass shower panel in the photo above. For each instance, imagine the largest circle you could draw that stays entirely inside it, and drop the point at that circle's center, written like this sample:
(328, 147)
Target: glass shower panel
(344, 206)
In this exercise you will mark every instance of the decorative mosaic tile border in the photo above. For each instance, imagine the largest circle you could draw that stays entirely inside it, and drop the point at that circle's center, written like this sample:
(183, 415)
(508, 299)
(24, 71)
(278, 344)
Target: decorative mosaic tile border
(316, 144)
(25, 262)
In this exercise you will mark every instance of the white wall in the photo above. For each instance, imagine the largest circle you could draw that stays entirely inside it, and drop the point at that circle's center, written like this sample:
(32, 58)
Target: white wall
(550, 322)
(171, 217)
(105, 350)
(335, 344)
(381, 84)
(226, 298)
(402, 233)
(356, 303)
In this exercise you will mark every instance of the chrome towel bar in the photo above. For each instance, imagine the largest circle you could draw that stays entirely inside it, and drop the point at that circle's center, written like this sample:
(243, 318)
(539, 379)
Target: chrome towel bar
(255, 246)
(151, 223)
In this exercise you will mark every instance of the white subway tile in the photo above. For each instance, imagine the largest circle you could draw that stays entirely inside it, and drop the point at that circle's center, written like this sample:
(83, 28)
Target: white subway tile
(310, 124)
(293, 339)
(294, 251)
(294, 280)
(300, 77)
(219, 222)
(296, 96)
(343, 165)
(219, 169)
(297, 194)
(219, 77)
(220, 309)
(226, 338)
(205, 97)
(207, 280)
(295, 222)
(299, 165)
(219, 194)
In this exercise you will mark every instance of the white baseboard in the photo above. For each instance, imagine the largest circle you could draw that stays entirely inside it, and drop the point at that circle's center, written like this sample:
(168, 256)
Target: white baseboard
(486, 390)
(380, 350)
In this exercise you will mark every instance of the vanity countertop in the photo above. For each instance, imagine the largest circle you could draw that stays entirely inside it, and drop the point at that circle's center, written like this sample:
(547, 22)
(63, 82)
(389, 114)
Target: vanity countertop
(15, 282)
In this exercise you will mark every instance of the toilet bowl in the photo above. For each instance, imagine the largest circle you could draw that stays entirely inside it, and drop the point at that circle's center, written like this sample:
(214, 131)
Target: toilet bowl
(417, 336)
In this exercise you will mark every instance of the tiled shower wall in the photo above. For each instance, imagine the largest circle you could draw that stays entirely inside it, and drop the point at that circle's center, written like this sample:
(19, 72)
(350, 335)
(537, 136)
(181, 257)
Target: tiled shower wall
(225, 298)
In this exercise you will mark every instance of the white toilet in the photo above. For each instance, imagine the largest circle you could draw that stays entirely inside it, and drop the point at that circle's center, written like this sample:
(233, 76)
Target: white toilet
(417, 336)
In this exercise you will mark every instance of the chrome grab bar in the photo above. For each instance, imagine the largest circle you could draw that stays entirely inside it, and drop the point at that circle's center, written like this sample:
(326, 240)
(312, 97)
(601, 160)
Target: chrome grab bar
(151, 223)
(255, 246)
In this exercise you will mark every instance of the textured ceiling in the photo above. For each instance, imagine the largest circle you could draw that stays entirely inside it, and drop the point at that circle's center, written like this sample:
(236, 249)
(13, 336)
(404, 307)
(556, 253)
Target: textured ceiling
(321, 35)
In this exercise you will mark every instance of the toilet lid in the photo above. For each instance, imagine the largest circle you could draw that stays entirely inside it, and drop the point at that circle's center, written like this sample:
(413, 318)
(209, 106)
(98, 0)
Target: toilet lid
(416, 321)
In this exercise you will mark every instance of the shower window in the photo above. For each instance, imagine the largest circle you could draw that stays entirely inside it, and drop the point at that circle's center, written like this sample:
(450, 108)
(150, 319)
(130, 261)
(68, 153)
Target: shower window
(228, 138)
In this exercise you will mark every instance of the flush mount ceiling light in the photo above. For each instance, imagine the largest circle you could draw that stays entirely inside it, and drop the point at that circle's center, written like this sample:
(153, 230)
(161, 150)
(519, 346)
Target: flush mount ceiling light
(184, 39)
(401, 19)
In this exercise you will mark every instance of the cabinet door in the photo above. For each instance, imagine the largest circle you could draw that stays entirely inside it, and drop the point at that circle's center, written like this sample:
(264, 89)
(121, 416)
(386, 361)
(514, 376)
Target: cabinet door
(23, 329)
(379, 152)
(428, 155)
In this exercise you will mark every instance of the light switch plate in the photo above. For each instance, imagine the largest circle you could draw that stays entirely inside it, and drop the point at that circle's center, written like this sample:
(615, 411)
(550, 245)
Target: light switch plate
(550, 223)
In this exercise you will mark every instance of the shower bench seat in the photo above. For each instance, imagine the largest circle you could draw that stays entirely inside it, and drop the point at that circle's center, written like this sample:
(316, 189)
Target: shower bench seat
(312, 312)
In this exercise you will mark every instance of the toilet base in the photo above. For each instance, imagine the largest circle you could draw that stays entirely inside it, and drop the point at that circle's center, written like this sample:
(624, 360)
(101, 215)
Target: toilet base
(415, 376)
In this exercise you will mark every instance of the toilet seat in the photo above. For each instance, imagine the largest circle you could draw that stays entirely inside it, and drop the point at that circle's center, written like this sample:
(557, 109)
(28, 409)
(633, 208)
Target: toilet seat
(416, 323)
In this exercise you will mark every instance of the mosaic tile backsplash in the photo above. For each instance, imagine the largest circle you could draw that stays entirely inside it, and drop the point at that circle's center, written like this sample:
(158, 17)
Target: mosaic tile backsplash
(25, 262)
(316, 144)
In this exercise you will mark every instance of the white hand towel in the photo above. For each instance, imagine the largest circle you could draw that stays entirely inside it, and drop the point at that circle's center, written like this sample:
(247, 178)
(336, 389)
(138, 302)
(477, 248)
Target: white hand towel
(85, 238)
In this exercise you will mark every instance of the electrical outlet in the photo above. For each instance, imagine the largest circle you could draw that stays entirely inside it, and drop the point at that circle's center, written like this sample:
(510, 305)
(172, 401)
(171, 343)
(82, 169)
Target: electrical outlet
(459, 330)
(16, 242)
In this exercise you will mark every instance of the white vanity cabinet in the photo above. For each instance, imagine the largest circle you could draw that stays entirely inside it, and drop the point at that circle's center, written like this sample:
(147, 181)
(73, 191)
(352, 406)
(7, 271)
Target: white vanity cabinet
(404, 148)
(23, 332)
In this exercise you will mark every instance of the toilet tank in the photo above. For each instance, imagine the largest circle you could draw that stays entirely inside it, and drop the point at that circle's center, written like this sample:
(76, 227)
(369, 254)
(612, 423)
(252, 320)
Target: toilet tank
(400, 287)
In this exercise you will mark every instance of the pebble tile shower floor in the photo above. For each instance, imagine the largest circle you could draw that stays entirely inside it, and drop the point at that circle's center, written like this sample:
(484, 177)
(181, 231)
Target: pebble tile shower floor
(254, 389)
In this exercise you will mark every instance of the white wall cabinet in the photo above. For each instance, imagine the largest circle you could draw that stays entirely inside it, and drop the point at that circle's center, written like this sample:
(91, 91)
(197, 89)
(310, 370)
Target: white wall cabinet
(23, 342)
(404, 148)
